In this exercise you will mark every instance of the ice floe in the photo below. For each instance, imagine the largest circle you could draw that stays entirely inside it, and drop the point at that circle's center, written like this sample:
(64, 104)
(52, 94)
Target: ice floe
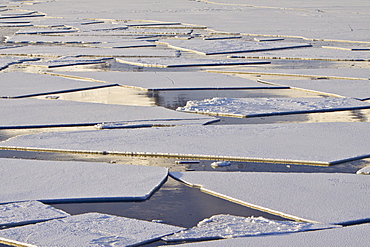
(57, 51)
(67, 61)
(18, 84)
(303, 196)
(57, 181)
(358, 89)
(28, 212)
(230, 226)
(5, 62)
(364, 171)
(245, 107)
(346, 236)
(172, 80)
(214, 47)
(309, 143)
(28, 113)
(91, 229)
(178, 62)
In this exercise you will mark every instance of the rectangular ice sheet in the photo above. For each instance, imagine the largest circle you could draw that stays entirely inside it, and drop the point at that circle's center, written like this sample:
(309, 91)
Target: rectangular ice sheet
(43, 113)
(28, 212)
(244, 107)
(172, 80)
(346, 236)
(316, 143)
(91, 229)
(57, 181)
(331, 198)
(18, 84)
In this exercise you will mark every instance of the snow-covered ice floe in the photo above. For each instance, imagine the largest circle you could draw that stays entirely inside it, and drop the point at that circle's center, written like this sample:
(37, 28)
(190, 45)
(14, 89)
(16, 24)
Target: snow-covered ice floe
(364, 171)
(215, 47)
(7, 61)
(18, 84)
(37, 113)
(358, 89)
(309, 143)
(66, 62)
(357, 235)
(181, 62)
(249, 107)
(230, 226)
(171, 80)
(28, 212)
(56, 181)
(91, 229)
(310, 197)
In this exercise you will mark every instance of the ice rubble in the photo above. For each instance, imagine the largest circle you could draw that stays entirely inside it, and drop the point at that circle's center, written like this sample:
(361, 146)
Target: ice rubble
(43, 113)
(172, 80)
(56, 181)
(230, 226)
(91, 229)
(347, 236)
(19, 84)
(215, 47)
(28, 212)
(5, 62)
(309, 143)
(364, 171)
(316, 197)
(245, 107)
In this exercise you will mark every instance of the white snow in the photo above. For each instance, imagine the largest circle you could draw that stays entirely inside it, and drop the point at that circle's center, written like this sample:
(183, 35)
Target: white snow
(364, 171)
(56, 51)
(91, 229)
(175, 62)
(43, 113)
(230, 226)
(329, 198)
(172, 80)
(57, 181)
(312, 143)
(27, 212)
(357, 235)
(18, 84)
(213, 47)
(250, 107)
(359, 89)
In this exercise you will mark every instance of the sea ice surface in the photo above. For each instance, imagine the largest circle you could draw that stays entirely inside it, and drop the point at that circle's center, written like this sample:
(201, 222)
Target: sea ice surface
(28, 212)
(309, 143)
(54, 112)
(230, 226)
(172, 80)
(214, 47)
(250, 107)
(315, 197)
(358, 89)
(364, 171)
(18, 84)
(56, 181)
(346, 236)
(6, 61)
(91, 229)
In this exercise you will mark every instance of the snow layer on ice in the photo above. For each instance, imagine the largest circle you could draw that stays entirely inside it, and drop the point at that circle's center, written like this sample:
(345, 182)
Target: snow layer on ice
(34, 31)
(6, 61)
(55, 39)
(56, 181)
(91, 229)
(330, 22)
(43, 113)
(317, 197)
(27, 212)
(245, 107)
(172, 80)
(56, 51)
(311, 53)
(230, 226)
(67, 61)
(18, 84)
(347, 236)
(342, 73)
(213, 47)
(358, 89)
(305, 143)
(174, 62)
(364, 171)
